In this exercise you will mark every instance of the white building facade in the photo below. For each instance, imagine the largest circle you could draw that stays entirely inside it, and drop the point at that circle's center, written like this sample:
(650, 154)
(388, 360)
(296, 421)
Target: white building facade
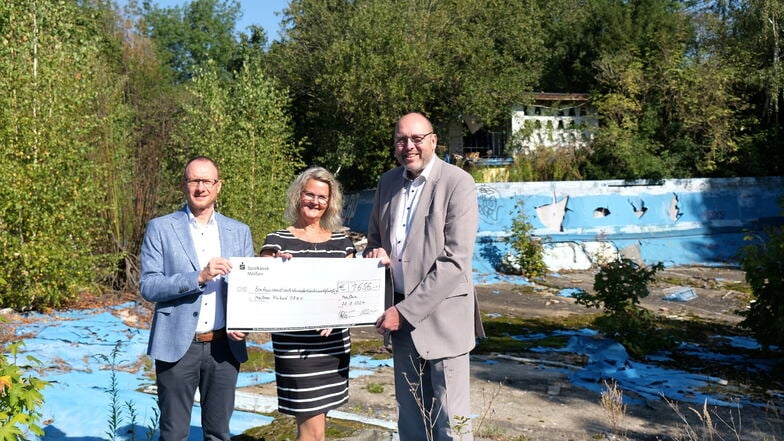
(553, 120)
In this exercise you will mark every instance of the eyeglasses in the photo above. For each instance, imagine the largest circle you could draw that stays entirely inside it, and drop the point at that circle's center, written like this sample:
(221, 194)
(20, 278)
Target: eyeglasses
(207, 183)
(310, 197)
(416, 139)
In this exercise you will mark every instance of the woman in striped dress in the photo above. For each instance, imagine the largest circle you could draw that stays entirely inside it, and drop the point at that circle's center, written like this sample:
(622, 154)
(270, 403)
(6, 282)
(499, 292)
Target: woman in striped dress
(311, 367)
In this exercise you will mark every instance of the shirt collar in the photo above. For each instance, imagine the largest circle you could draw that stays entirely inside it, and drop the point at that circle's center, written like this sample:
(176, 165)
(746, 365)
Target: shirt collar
(422, 176)
(192, 218)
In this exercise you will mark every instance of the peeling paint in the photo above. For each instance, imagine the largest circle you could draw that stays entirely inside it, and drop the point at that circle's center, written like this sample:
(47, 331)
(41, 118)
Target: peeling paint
(676, 222)
(674, 211)
(552, 215)
(641, 211)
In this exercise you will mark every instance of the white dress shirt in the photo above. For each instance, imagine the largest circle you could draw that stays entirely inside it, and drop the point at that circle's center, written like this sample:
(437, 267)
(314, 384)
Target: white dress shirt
(206, 239)
(409, 200)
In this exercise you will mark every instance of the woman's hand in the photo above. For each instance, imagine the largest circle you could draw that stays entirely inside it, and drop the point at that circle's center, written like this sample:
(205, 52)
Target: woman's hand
(325, 332)
(284, 256)
(268, 253)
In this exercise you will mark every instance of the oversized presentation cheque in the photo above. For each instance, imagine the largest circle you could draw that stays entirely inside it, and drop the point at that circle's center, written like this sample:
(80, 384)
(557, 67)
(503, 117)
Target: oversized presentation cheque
(272, 295)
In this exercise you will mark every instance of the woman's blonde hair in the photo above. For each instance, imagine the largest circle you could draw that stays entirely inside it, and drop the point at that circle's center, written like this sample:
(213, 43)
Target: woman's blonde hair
(332, 220)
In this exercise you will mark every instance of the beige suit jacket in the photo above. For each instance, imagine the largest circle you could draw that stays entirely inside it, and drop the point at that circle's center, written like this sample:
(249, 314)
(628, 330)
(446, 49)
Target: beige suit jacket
(440, 301)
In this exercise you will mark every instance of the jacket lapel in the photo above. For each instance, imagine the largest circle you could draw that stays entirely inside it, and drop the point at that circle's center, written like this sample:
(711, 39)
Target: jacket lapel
(183, 233)
(394, 203)
(224, 232)
(425, 202)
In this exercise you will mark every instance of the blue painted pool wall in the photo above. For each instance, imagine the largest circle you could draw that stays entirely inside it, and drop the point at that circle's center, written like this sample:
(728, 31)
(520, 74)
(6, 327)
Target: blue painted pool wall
(684, 222)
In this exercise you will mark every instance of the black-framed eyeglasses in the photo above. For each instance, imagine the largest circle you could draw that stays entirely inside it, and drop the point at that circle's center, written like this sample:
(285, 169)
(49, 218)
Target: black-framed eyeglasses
(207, 183)
(308, 196)
(416, 139)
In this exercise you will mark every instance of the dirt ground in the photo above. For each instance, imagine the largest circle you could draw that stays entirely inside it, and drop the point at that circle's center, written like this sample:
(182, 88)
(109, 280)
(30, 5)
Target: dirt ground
(517, 398)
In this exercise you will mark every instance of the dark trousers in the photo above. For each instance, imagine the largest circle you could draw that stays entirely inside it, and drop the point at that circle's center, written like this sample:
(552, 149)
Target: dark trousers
(212, 369)
(433, 396)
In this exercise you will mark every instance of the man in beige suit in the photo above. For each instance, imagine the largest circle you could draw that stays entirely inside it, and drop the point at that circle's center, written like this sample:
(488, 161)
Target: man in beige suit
(423, 225)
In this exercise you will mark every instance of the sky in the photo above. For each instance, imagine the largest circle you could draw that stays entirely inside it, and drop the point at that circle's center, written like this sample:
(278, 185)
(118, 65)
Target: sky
(265, 13)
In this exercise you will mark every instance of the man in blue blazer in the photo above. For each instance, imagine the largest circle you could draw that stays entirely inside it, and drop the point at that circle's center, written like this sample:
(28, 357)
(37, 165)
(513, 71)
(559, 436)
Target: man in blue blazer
(423, 225)
(184, 264)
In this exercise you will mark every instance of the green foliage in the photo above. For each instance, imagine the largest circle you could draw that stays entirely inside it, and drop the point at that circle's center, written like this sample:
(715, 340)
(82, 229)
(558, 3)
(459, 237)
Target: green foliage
(91, 134)
(669, 108)
(118, 409)
(527, 257)
(194, 34)
(763, 262)
(375, 388)
(547, 164)
(115, 410)
(619, 286)
(244, 126)
(59, 112)
(20, 398)
(137, 187)
(355, 67)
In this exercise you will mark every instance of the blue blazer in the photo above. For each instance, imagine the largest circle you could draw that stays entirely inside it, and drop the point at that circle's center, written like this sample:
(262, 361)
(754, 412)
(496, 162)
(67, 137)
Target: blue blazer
(170, 272)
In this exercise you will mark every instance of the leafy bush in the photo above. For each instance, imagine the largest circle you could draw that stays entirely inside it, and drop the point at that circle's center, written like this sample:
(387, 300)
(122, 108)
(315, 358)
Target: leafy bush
(548, 164)
(763, 263)
(528, 256)
(244, 126)
(53, 189)
(619, 285)
(20, 398)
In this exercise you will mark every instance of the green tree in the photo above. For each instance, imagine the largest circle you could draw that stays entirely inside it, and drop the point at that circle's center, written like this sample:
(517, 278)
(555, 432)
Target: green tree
(573, 37)
(139, 189)
(244, 125)
(666, 100)
(60, 113)
(354, 67)
(748, 36)
(526, 256)
(192, 34)
(763, 262)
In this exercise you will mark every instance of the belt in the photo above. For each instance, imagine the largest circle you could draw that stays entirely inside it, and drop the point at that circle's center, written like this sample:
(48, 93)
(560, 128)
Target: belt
(218, 334)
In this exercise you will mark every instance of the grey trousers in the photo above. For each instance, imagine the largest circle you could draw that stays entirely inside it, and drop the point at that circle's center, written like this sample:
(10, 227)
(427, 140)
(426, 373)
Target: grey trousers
(212, 369)
(433, 396)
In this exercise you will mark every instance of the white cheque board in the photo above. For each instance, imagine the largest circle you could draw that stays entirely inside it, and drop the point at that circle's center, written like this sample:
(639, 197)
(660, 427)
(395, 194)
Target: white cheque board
(271, 295)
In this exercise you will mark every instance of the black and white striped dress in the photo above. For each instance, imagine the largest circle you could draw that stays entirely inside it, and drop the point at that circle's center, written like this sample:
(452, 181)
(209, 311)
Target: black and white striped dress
(311, 371)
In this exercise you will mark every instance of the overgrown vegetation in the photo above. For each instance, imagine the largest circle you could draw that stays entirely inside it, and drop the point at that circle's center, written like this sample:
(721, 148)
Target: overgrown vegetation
(527, 255)
(123, 412)
(546, 164)
(245, 126)
(763, 262)
(21, 397)
(61, 114)
(285, 427)
(95, 130)
(102, 106)
(618, 287)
